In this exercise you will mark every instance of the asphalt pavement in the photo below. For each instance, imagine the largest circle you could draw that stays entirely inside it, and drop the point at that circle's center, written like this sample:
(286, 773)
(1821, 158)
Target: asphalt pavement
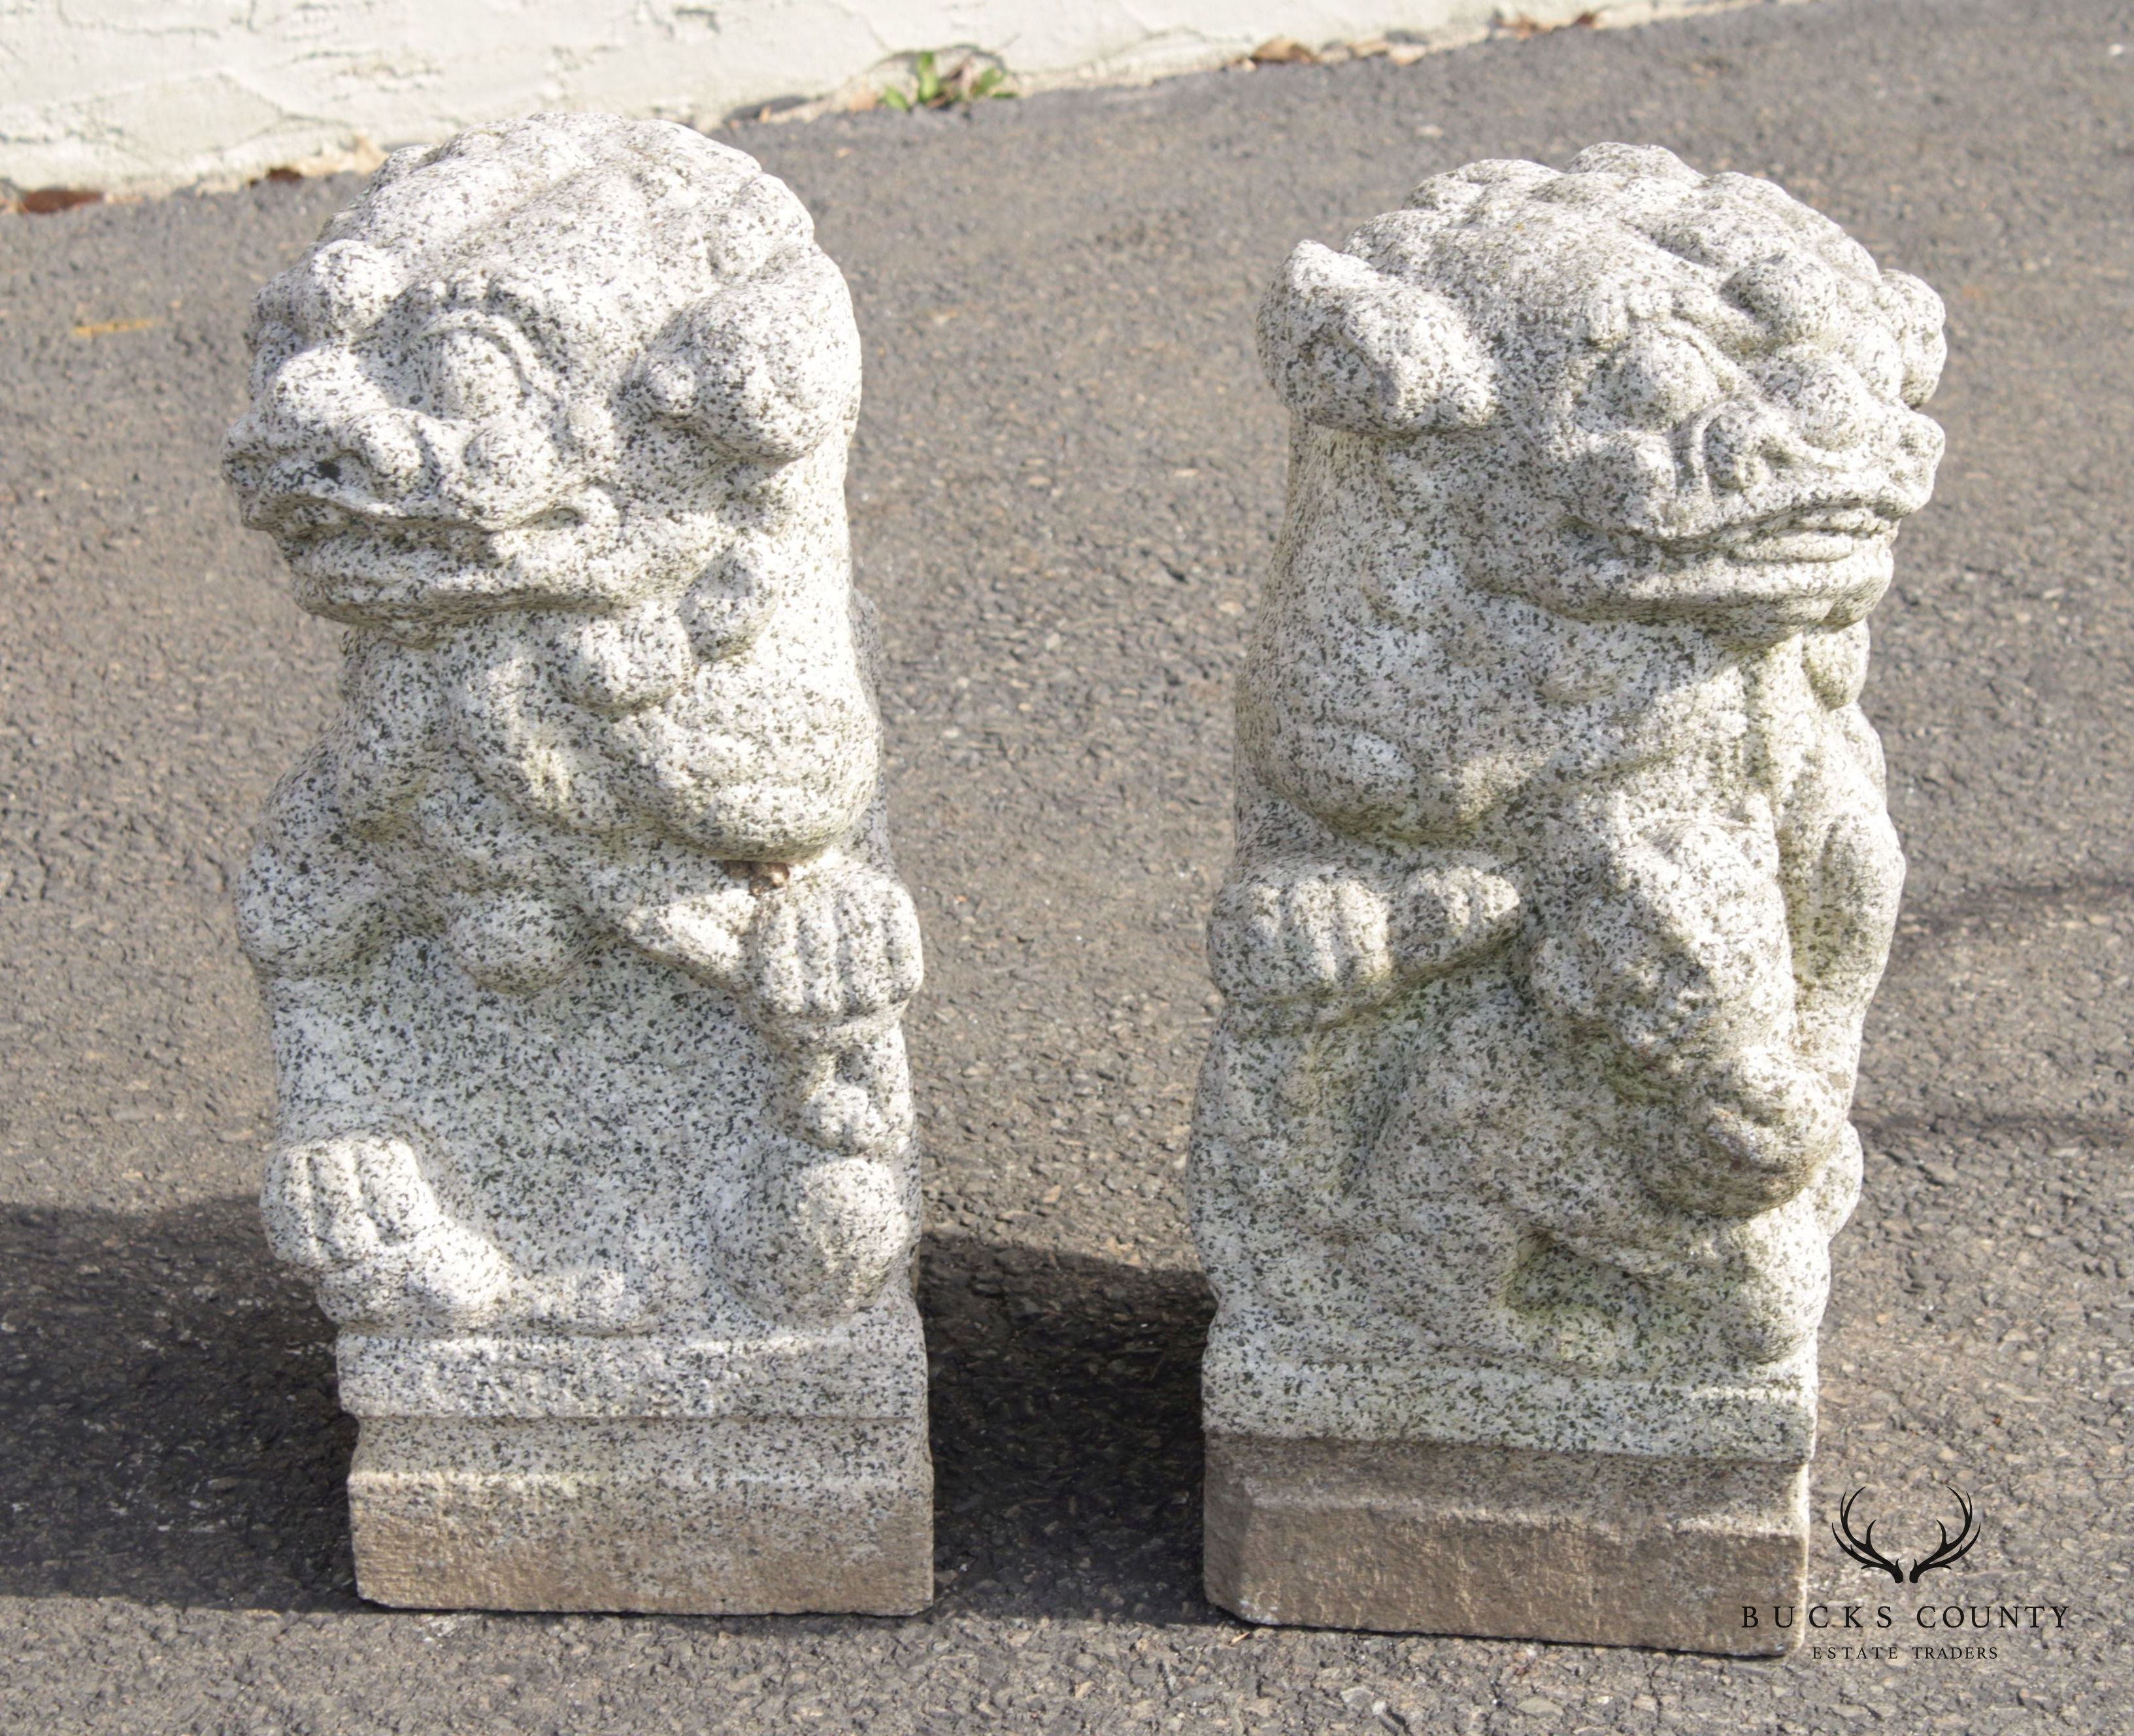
(1066, 483)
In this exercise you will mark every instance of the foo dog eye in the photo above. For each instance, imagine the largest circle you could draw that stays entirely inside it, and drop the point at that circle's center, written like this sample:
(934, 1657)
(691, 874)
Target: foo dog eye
(1831, 405)
(1659, 380)
(472, 375)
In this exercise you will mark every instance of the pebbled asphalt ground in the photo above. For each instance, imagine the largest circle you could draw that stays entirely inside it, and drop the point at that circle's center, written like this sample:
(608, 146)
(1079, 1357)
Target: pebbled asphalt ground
(1066, 482)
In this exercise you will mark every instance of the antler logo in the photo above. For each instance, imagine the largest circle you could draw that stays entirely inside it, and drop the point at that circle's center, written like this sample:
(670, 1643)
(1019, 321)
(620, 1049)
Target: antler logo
(1862, 1548)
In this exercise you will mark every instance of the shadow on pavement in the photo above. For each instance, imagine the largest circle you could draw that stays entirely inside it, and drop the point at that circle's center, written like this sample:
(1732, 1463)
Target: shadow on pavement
(171, 1436)
(167, 1407)
(1066, 1433)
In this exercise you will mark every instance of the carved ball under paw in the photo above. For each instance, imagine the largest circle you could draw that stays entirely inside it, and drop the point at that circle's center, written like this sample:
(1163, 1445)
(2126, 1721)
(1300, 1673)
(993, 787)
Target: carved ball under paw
(1766, 1125)
(810, 1241)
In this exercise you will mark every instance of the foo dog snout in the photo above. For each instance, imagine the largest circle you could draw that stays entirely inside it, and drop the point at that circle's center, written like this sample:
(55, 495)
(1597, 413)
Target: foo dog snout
(440, 400)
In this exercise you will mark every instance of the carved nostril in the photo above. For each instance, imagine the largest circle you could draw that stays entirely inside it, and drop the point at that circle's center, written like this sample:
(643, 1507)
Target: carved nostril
(377, 456)
(1631, 476)
(505, 462)
(390, 452)
(1736, 450)
(1920, 439)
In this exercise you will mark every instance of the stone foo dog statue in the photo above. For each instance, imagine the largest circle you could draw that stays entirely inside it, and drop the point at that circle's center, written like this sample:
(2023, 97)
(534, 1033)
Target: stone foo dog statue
(582, 946)
(1563, 876)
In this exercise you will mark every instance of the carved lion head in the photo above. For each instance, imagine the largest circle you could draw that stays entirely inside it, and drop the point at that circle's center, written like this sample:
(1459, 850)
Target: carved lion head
(555, 363)
(1628, 390)
(561, 409)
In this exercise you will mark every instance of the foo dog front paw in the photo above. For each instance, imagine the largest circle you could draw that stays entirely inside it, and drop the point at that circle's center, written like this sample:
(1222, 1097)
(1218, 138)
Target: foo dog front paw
(1766, 1127)
(1346, 937)
(808, 1240)
(1321, 938)
(833, 946)
(342, 1201)
(1445, 914)
(356, 1211)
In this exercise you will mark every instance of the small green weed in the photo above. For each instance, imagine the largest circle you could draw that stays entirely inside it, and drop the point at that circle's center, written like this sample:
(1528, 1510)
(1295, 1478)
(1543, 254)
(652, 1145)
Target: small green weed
(965, 82)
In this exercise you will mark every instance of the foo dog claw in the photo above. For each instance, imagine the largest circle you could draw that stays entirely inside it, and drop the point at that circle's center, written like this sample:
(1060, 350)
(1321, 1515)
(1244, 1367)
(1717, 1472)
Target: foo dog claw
(1350, 937)
(356, 1210)
(450, 1278)
(834, 946)
(1318, 934)
(341, 1201)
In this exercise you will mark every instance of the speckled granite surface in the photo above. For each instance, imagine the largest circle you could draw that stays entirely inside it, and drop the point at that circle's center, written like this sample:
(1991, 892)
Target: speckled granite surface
(1563, 876)
(1064, 489)
(583, 949)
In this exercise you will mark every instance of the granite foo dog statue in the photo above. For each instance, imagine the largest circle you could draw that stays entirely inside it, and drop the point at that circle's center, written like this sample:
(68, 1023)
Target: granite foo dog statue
(1563, 876)
(583, 948)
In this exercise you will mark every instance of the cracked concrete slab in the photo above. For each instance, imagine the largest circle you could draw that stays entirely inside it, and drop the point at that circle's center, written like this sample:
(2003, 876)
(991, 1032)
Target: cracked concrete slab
(124, 99)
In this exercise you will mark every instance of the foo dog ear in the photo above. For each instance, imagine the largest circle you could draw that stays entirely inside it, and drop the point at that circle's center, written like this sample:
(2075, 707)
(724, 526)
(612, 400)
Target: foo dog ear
(1918, 314)
(1347, 347)
(764, 368)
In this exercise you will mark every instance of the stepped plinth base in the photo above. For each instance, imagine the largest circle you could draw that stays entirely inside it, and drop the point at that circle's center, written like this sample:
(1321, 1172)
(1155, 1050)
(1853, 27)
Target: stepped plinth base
(1587, 1548)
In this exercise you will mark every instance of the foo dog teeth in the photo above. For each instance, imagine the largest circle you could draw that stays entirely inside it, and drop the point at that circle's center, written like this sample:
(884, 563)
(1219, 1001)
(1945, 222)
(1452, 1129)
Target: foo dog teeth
(1562, 881)
(583, 949)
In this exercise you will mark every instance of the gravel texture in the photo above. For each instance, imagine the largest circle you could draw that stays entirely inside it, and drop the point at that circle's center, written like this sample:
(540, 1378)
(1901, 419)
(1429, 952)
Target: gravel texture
(1066, 483)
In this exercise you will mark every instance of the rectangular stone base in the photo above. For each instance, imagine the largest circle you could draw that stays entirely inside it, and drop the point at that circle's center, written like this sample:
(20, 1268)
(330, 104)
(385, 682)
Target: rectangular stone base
(1590, 1548)
(723, 1516)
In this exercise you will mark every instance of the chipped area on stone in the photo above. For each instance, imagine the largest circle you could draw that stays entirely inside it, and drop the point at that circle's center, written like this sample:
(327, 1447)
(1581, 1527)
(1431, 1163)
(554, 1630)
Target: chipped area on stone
(582, 947)
(1563, 875)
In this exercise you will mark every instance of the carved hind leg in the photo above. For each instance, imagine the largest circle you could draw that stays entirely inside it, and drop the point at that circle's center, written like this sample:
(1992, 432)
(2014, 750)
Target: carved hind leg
(1768, 1300)
(1275, 1142)
(805, 1236)
(821, 1213)
(1758, 1302)
(1741, 1293)
(1446, 1265)
(355, 1210)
